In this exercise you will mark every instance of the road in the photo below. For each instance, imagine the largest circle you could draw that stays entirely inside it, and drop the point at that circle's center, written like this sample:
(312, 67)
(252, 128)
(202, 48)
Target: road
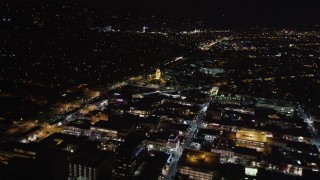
(196, 123)
(302, 114)
(307, 120)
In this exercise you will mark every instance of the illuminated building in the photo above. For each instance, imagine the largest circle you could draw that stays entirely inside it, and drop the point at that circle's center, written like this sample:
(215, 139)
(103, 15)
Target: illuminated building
(144, 29)
(251, 171)
(198, 164)
(158, 74)
(99, 117)
(214, 91)
(30, 135)
(251, 139)
(78, 127)
(104, 127)
(212, 71)
(163, 141)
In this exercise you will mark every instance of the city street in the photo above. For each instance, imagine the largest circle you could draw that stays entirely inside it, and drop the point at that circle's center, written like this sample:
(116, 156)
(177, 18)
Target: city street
(196, 123)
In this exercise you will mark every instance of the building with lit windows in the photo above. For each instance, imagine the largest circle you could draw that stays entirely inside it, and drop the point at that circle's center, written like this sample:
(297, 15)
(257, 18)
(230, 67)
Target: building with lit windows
(198, 164)
(163, 141)
(251, 139)
(90, 165)
(78, 127)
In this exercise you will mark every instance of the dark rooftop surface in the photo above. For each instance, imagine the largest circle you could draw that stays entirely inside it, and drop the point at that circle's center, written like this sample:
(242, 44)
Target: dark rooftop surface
(61, 141)
(118, 122)
(177, 127)
(92, 113)
(302, 146)
(157, 159)
(150, 173)
(163, 135)
(237, 173)
(245, 151)
(90, 158)
(212, 132)
(131, 146)
(80, 123)
(266, 175)
(153, 164)
(146, 103)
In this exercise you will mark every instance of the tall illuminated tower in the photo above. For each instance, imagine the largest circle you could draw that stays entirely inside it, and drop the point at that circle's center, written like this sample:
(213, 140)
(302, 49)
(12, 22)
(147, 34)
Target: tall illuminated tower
(158, 74)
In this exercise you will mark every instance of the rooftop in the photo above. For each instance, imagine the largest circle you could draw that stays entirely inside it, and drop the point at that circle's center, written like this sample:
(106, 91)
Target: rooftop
(163, 135)
(80, 123)
(178, 127)
(245, 151)
(117, 122)
(90, 158)
(199, 159)
(61, 141)
(251, 135)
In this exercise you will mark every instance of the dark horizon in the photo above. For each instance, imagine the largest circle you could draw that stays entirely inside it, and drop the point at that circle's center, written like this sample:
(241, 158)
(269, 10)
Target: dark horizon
(227, 13)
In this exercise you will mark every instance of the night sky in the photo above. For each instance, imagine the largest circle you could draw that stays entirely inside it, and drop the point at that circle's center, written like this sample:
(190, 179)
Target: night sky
(233, 12)
(226, 12)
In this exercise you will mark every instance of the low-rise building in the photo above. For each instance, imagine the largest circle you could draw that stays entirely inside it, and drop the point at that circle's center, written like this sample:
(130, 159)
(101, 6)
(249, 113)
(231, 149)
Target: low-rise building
(78, 127)
(251, 139)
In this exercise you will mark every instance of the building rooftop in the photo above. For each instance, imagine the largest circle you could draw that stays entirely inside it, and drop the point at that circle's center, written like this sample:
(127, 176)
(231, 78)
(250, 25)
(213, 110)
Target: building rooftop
(301, 146)
(157, 159)
(130, 89)
(199, 159)
(251, 135)
(150, 173)
(212, 132)
(118, 122)
(245, 151)
(80, 123)
(132, 146)
(92, 113)
(149, 120)
(237, 173)
(90, 158)
(266, 174)
(178, 127)
(62, 141)
(163, 135)
(146, 103)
